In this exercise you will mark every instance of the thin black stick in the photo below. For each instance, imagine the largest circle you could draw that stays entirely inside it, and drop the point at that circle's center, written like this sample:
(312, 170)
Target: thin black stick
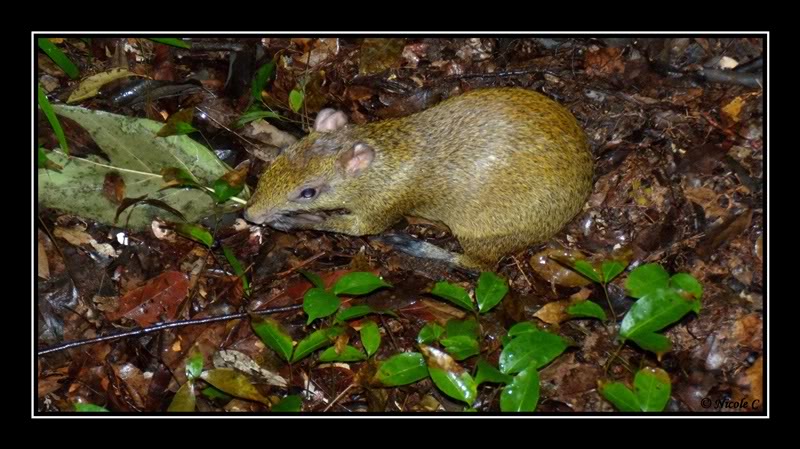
(161, 326)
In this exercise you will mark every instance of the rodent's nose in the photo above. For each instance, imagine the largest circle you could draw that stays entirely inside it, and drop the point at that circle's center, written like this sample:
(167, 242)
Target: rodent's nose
(254, 218)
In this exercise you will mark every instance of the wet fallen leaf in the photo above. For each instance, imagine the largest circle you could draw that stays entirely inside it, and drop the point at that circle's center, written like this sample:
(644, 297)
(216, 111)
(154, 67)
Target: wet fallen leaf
(160, 297)
(545, 265)
(724, 233)
(90, 86)
(234, 383)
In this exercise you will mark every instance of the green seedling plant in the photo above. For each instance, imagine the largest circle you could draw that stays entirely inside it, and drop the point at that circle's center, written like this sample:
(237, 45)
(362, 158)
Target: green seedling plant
(320, 302)
(661, 300)
(608, 271)
(526, 350)
(651, 390)
(489, 291)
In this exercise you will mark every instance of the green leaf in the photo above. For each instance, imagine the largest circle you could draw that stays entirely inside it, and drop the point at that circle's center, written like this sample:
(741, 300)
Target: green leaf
(611, 269)
(174, 42)
(313, 278)
(213, 393)
(459, 386)
(358, 283)
(262, 76)
(430, 333)
(654, 311)
(58, 57)
(138, 157)
(488, 373)
(621, 396)
(296, 100)
(652, 386)
(194, 366)
(349, 354)
(317, 303)
(223, 191)
(521, 328)
(653, 342)
(353, 312)
(461, 341)
(522, 394)
(250, 116)
(454, 294)
(184, 400)
(42, 159)
(465, 328)
(234, 383)
(238, 269)
(490, 290)
(290, 404)
(178, 177)
(402, 369)
(645, 279)
(182, 128)
(196, 233)
(318, 339)
(461, 347)
(44, 162)
(587, 309)
(585, 268)
(534, 348)
(49, 112)
(688, 284)
(83, 407)
(448, 376)
(370, 337)
(179, 123)
(273, 335)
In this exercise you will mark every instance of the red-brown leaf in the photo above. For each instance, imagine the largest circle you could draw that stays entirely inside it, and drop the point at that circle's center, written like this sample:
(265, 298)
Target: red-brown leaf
(158, 299)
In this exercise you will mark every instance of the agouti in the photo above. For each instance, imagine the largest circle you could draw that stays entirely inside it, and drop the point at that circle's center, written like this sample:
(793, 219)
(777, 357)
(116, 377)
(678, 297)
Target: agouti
(503, 168)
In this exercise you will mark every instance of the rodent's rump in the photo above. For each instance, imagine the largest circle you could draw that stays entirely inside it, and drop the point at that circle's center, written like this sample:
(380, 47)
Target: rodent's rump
(503, 168)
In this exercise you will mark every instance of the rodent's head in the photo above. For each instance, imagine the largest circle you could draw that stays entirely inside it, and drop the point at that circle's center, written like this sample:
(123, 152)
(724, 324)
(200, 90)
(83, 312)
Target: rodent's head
(302, 186)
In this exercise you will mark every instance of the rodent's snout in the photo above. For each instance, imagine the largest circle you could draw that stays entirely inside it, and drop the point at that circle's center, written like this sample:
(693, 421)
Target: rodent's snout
(254, 218)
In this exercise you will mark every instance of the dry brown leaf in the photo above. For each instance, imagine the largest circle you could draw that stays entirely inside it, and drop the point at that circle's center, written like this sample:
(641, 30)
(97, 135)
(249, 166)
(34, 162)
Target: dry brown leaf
(553, 312)
(707, 199)
(733, 109)
(43, 266)
(747, 331)
(604, 61)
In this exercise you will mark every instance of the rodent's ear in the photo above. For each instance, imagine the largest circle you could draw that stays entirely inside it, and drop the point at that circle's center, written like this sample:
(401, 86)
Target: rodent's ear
(329, 120)
(357, 159)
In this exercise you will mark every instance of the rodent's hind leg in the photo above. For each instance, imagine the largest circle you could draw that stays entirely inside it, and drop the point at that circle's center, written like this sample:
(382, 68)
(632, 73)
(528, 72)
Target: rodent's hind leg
(484, 253)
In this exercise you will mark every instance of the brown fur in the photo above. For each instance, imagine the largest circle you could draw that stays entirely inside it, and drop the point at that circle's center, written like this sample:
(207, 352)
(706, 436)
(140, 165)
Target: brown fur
(504, 168)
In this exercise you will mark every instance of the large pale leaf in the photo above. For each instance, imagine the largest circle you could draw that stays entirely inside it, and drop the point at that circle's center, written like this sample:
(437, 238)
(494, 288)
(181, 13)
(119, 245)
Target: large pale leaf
(138, 156)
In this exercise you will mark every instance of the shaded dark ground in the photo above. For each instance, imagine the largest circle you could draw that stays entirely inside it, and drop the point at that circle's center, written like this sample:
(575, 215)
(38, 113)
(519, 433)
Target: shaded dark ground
(679, 181)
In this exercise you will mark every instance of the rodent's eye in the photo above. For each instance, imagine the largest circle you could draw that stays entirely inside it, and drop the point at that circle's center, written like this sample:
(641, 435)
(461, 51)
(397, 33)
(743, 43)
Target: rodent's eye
(308, 193)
